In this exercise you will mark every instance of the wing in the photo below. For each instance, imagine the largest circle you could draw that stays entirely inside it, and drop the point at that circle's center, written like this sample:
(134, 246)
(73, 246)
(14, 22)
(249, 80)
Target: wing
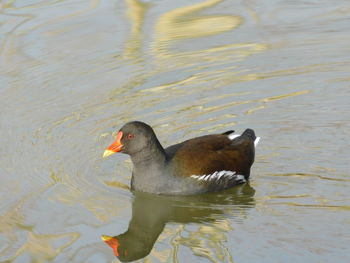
(214, 153)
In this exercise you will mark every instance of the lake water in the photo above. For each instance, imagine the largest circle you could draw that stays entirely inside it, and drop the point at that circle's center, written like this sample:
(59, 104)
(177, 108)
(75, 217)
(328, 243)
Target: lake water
(73, 72)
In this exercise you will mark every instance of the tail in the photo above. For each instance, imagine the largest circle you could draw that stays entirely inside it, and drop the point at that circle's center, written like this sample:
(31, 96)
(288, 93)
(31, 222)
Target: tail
(249, 133)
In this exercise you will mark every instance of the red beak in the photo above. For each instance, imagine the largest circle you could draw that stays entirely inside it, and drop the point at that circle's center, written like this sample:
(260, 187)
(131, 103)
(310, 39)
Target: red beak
(112, 242)
(116, 146)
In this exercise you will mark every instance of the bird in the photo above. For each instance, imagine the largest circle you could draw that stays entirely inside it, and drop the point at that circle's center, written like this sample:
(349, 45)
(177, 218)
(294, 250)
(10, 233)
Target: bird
(208, 163)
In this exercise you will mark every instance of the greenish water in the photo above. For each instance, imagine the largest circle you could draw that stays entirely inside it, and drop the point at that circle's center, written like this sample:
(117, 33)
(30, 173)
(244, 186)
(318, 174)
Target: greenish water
(73, 72)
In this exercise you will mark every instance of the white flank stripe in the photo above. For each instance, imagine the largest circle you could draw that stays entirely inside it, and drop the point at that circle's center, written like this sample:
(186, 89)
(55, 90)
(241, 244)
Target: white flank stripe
(220, 176)
(217, 176)
(230, 173)
(208, 177)
(201, 177)
(240, 177)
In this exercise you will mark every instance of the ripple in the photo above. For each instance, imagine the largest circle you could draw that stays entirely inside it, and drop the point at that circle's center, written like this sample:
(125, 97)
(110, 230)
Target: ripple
(301, 175)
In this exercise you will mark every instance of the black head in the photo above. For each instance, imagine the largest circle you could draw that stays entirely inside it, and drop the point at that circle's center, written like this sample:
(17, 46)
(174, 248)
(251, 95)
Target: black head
(136, 137)
(132, 138)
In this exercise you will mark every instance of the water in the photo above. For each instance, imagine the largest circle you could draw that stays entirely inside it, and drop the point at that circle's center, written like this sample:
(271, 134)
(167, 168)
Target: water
(73, 72)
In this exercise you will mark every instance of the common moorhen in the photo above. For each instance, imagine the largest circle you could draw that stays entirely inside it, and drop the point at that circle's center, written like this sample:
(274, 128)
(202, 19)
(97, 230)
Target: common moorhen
(203, 164)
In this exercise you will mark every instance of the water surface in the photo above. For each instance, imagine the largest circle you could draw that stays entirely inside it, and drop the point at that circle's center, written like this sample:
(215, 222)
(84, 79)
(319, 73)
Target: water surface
(73, 72)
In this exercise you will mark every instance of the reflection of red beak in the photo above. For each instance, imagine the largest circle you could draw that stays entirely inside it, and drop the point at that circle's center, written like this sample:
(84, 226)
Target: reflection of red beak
(112, 242)
(114, 147)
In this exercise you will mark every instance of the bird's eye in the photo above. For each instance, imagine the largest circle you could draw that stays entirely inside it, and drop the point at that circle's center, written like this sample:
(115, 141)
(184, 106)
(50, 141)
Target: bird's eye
(131, 136)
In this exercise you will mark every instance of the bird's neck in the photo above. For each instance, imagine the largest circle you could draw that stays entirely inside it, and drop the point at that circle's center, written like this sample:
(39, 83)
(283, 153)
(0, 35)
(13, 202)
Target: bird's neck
(152, 154)
(149, 164)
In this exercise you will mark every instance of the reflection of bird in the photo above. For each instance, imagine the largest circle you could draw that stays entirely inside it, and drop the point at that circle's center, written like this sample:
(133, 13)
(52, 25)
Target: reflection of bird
(145, 226)
(203, 164)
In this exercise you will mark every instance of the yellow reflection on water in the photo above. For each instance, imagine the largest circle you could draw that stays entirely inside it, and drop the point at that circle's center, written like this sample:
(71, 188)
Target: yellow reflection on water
(306, 200)
(184, 22)
(205, 110)
(331, 207)
(181, 22)
(206, 241)
(117, 184)
(41, 247)
(136, 11)
(312, 175)
(71, 192)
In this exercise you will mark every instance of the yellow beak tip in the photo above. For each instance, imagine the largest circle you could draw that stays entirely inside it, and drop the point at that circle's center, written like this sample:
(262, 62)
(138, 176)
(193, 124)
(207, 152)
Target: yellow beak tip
(106, 238)
(107, 153)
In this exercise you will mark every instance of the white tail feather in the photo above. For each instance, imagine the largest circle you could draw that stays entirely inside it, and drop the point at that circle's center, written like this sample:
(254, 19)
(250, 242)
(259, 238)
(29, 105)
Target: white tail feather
(233, 136)
(256, 141)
